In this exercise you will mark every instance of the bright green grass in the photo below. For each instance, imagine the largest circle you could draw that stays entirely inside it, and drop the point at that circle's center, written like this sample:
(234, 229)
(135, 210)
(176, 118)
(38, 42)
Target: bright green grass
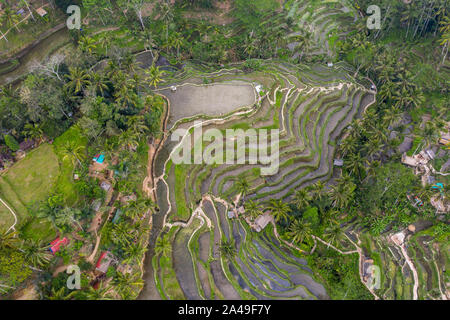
(181, 172)
(65, 184)
(33, 177)
(29, 181)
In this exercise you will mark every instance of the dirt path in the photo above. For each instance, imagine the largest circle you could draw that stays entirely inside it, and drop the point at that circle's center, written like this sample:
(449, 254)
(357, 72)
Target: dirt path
(147, 185)
(92, 256)
(401, 244)
(14, 215)
(361, 264)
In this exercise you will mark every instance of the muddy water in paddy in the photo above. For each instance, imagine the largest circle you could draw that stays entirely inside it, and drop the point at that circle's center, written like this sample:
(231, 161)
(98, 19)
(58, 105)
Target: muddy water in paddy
(183, 266)
(210, 100)
(149, 292)
(220, 279)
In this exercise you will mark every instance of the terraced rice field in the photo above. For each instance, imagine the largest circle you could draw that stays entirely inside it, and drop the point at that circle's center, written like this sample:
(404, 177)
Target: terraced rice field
(397, 280)
(310, 106)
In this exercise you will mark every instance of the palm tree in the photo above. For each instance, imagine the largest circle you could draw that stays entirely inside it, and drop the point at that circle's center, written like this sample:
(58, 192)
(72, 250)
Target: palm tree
(354, 165)
(430, 134)
(60, 294)
(128, 139)
(137, 125)
(341, 195)
(279, 210)
(9, 239)
(154, 76)
(136, 208)
(227, 249)
(242, 186)
(304, 42)
(77, 79)
(124, 283)
(253, 209)
(348, 145)
(73, 152)
(67, 217)
(36, 252)
(134, 253)
(102, 293)
(105, 42)
(177, 41)
(445, 37)
(34, 131)
(146, 36)
(87, 44)
(125, 95)
(163, 247)
(10, 18)
(302, 198)
(166, 15)
(98, 83)
(318, 189)
(299, 231)
(391, 116)
(334, 233)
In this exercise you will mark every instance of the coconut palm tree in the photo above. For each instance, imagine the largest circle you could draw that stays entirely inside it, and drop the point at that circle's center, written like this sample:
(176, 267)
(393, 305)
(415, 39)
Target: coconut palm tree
(354, 165)
(10, 18)
(242, 186)
(105, 42)
(177, 41)
(67, 217)
(87, 44)
(102, 293)
(391, 116)
(137, 125)
(73, 152)
(36, 252)
(134, 253)
(77, 79)
(299, 231)
(334, 234)
(9, 239)
(302, 198)
(98, 83)
(430, 134)
(34, 131)
(304, 42)
(253, 209)
(124, 284)
(60, 294)
(227, 249)
(341, 195)
(445, 37)
(166, 15)
(318, 189)
(348, 145)
(154, 76)
(279, 210)
(147, 38)
(125, 95)
(163, 246)
(129, 140)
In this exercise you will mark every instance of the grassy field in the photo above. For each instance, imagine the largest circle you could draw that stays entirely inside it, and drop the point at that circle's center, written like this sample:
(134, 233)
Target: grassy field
(28, 181)
(65, 184)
